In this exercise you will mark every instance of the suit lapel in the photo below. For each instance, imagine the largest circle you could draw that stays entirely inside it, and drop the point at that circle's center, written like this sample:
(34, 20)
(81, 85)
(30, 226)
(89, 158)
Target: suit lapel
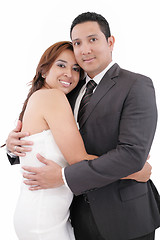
(107, 82)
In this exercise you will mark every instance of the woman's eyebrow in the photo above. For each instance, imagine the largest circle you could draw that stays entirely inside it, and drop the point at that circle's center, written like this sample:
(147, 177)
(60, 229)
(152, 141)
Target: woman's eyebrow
(61, 60)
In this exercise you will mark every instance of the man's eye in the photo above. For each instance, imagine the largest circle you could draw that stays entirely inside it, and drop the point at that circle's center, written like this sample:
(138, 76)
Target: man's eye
(93, 39)
(76, 43)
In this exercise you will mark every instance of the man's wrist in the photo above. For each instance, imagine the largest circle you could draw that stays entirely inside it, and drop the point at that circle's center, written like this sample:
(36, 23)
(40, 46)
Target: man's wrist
(12, 155)
(64, 178)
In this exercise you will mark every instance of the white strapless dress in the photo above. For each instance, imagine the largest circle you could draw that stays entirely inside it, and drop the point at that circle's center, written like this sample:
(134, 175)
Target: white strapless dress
(43, 214)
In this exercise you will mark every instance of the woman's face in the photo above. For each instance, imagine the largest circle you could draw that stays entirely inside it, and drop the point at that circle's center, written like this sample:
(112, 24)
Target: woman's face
(64, 73)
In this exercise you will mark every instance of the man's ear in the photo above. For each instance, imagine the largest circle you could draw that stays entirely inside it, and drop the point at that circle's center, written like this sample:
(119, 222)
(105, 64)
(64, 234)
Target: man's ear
(111, 41)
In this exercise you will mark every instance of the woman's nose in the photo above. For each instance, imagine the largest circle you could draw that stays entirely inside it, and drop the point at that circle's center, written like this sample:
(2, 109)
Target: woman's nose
(68, 73)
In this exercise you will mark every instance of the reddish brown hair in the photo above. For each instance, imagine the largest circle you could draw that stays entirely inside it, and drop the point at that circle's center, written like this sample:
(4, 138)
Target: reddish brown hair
(45, 63)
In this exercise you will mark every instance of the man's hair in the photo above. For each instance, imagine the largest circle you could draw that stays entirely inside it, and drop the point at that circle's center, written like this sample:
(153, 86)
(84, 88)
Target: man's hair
(92, 17)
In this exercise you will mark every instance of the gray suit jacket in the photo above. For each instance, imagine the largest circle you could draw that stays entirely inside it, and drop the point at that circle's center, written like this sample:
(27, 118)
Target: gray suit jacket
(119, 127)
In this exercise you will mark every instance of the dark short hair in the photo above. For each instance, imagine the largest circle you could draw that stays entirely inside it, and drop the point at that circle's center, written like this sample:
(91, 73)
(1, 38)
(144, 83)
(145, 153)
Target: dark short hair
(93, 17)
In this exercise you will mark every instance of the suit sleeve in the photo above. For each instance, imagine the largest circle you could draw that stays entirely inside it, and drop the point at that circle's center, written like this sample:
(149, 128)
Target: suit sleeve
(13, 160)
(136, 132)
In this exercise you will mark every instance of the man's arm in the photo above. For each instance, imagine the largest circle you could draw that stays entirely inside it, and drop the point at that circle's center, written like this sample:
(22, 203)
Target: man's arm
(129, 156)
(136, 131)
(51, 176)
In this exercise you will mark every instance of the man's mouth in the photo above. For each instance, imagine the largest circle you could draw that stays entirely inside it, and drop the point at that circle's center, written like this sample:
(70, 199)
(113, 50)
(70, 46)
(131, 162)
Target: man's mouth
(88, 59)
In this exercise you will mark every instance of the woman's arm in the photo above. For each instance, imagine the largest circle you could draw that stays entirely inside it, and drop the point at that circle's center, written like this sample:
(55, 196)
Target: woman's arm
(59, 117)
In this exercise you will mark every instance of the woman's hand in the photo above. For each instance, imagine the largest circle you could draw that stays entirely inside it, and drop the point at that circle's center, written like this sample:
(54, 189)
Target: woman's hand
(143, 175)
(14, 143)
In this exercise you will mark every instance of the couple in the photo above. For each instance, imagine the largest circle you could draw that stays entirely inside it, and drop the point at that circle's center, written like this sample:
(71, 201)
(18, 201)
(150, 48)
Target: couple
(117, 126)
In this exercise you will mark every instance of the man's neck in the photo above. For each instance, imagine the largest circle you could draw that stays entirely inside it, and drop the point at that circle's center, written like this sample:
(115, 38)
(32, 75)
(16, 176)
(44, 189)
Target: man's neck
(100, 75)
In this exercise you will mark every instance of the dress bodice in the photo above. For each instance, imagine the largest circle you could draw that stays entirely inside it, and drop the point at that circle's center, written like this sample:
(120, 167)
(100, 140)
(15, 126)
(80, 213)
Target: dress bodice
(43, 214)
(44, 144)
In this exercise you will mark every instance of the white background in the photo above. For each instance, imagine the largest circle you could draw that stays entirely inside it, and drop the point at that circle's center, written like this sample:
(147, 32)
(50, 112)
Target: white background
(29, 27)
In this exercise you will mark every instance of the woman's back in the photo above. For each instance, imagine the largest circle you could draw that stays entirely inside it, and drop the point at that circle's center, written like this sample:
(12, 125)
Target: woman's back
(33, 119)
(50, 109)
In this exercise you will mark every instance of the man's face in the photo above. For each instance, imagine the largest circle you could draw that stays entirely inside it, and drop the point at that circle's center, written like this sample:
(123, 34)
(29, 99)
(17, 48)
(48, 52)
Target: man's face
(92, 51)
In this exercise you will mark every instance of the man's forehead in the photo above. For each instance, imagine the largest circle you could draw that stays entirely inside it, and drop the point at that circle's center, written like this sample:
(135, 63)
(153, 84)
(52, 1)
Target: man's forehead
(86, 29)
(88, 36)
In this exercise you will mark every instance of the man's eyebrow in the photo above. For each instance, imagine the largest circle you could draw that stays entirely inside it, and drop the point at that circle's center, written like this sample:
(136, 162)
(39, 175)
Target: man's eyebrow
(91, 35)
(76, 39)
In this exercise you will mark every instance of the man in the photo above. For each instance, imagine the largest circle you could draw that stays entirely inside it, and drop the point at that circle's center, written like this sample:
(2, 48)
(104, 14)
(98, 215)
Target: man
(118, 125)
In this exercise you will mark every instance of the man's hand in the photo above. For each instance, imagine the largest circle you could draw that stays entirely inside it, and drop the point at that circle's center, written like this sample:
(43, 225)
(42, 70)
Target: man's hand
(49, 176)
(14, 143)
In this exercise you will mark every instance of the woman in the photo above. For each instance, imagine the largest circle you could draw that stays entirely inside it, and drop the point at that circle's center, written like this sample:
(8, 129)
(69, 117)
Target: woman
(47, 115)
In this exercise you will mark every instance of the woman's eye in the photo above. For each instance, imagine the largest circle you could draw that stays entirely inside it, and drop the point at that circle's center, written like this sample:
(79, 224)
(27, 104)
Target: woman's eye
(61, 65)
(76, 69)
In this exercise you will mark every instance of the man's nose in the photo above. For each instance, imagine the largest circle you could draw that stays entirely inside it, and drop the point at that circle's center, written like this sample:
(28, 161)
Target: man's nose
(85, 49)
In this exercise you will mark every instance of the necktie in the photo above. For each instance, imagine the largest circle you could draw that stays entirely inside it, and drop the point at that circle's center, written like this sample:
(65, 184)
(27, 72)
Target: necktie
(85, 100)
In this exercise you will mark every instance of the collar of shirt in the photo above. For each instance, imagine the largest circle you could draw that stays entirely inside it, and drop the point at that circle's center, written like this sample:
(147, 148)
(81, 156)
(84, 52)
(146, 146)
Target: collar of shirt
(97, 79)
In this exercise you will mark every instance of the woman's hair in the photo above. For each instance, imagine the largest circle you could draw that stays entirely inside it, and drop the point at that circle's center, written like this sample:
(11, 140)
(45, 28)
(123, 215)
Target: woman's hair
(92, 17)
(45, 63)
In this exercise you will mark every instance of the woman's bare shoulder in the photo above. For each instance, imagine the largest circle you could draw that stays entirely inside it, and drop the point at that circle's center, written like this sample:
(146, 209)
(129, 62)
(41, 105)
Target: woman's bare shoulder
(47, 92)
(47, 95)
